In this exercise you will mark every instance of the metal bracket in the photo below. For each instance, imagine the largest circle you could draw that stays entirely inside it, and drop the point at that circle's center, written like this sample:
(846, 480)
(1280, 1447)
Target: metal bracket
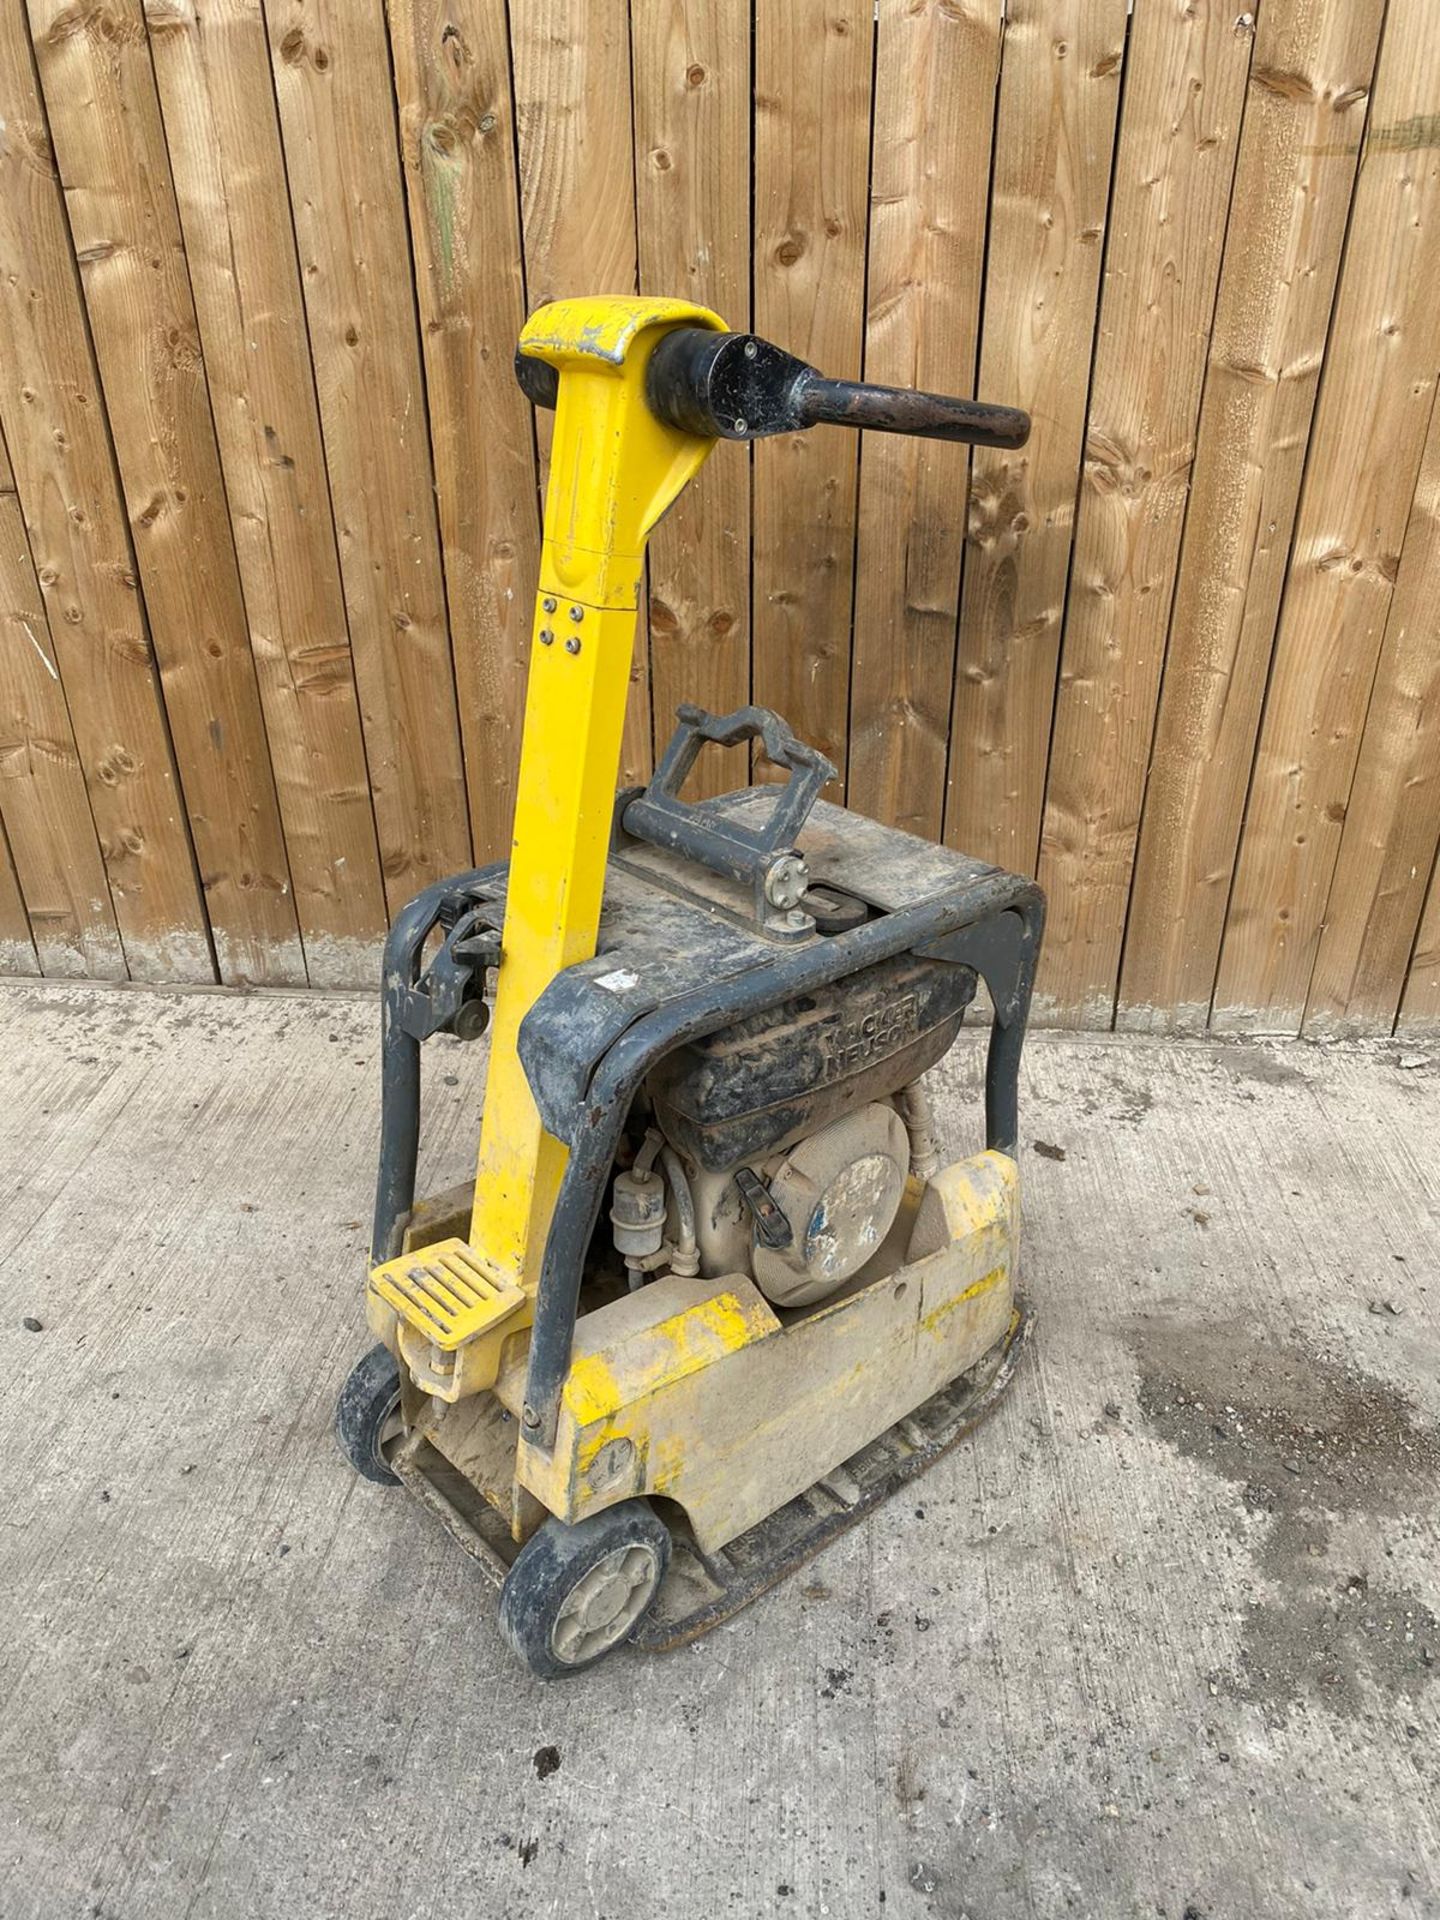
(442, 999)
(466, 908)
(765, 856)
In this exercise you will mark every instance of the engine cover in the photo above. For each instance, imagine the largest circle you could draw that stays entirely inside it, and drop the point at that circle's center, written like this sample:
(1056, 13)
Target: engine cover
(840, 1190)
(754, 1088)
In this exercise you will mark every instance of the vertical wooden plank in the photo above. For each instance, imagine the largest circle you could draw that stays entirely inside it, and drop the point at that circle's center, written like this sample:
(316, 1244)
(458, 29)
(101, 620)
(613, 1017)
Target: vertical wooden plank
(17, 950)
(692, 172)
(936, 69)
(813, 61)
(1370, 427)
(457, 133)
(55, 425)
(1059, 86)
(1392, 824)
(1420, 1009)
(42, 791)
(577, 182)
(99, 92)
(577, 192)
(1309, 83)
(1175, 159)
(212, 69)
(331, 64)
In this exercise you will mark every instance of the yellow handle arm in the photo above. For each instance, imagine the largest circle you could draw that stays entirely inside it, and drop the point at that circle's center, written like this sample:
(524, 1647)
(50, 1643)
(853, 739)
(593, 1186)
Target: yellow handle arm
(614, 469)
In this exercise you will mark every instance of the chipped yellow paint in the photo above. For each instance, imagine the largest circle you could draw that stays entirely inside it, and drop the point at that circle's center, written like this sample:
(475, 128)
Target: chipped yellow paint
(729, 1412)
(444, 1294)
(935, 1319)
(668, 1352)
(668, 1461)
(587, 327)
(967, 1188)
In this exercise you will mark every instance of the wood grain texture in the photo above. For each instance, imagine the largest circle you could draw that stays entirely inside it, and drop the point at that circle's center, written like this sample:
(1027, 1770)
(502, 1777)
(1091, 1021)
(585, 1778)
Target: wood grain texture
(457, 136)
(1309, 84)
(59, 443)
(813, 64)
(936, 69)
(1365, 451)
(1184, 92)
(212, 71)
(1392, 824)
(571, 61)
(1054, 141)
(331, 63)
(577, 181)
(692, 176)
(104, 117)
(1420, 1007)
(333, 480)
(17, 949)
(43, 803)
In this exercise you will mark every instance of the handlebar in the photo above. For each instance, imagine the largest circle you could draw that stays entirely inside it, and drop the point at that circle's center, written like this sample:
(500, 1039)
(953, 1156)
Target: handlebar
(736, 386)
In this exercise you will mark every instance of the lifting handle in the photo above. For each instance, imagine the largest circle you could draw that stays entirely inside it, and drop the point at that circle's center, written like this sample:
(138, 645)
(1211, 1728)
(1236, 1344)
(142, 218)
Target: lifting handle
(762, 853)
(736, 386)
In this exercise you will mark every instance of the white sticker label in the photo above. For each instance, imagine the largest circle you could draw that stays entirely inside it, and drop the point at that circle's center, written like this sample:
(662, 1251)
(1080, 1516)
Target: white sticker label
(620, 981)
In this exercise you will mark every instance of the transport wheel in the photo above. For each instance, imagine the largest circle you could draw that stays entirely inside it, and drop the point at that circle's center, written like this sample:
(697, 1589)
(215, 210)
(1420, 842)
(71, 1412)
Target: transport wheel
(576, 1593)
(367, 1415)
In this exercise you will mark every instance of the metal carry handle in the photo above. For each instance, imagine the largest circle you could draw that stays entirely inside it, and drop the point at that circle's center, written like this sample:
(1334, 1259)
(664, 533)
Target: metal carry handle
(764, 855)
(736, 386)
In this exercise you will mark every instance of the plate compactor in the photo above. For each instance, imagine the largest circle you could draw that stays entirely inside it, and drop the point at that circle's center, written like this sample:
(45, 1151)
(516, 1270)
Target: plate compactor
(712, 1294)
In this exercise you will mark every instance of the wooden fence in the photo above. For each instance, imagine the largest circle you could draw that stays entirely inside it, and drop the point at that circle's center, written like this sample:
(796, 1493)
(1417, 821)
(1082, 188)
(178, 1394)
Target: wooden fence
(268, 492)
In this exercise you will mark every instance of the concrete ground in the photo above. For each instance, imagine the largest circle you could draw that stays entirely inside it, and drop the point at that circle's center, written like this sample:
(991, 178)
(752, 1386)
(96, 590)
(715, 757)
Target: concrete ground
(1160, 1640)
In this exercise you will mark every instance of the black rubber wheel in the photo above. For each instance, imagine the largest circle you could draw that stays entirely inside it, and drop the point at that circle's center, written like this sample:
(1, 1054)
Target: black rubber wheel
(576, 1593)
(367, 1414)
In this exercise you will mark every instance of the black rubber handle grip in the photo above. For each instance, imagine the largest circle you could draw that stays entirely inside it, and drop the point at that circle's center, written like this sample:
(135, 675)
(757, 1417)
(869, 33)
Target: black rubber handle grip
(930, 416)
(736, 386)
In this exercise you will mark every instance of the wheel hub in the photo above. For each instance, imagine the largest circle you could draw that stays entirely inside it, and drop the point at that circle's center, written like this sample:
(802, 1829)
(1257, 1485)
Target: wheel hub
(604, 1604)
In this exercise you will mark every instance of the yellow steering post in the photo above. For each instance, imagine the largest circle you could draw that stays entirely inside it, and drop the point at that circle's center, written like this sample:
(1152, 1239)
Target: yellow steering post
(614, 469)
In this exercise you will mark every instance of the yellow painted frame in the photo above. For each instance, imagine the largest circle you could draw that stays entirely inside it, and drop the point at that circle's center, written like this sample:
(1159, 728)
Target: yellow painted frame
(614, 469)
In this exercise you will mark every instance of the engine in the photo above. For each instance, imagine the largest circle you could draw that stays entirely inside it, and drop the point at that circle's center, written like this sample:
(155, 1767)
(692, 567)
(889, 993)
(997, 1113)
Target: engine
(781, 1146)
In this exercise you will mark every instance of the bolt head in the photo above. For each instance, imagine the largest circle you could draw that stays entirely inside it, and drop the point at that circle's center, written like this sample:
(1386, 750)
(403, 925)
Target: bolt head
(750, 349)
(546, 637)
(471, 1020)
(577, 614)
(548, 603)
(786, 881)
(572, 645)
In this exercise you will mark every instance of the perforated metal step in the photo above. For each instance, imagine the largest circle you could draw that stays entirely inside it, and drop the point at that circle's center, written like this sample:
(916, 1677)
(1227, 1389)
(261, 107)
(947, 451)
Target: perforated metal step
(444, 1292)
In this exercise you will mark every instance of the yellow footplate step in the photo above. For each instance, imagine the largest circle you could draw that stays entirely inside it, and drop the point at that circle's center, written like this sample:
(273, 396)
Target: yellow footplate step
(445, 1294)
